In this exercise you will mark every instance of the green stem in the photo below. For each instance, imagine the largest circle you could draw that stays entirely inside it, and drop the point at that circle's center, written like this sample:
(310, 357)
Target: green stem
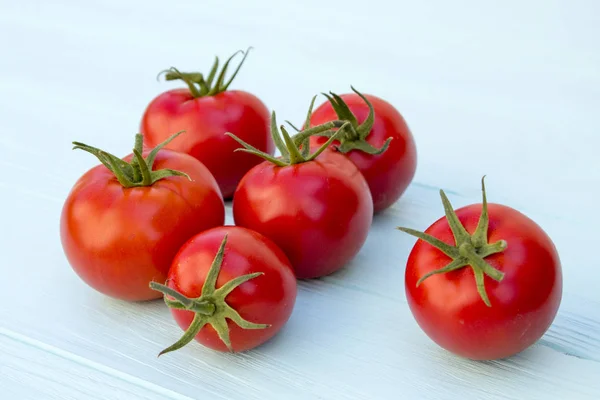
(480, 236)
(306, 125)
(137, 173)
(480, 284)
(173, 74)
(445, 248)
(341, 108)
(294, 127)
(139, 143)
(279, 143)
(197, 323)
(294, 149)
(295, 155)
(119, 174)
(355, 137)
(205, 308)
(226, 86)
(152, 155)
(146, 176)
(453, 266)
(174, 304)
(314, 131)
(365, 128)
(458, 230)
(212, 73)
(200, 87)
(248, 148)
(327, 143)
(493, 248)
(470, 250)
(210, 307)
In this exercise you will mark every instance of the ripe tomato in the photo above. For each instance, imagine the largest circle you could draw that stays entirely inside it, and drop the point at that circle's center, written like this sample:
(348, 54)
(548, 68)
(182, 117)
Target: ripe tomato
(118, 239)
(317, 208)
(388, 173)
(505, 299)
(206, 112)
(230, 288)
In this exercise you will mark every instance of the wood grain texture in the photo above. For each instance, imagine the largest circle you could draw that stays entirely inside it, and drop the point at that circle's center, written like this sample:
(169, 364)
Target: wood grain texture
(26, 363)
(510, 90)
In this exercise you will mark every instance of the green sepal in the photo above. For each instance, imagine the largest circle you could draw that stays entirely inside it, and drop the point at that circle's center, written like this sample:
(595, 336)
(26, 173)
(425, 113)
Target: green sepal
(468, 250)
(139, 171)
(210, 307)
(355, 134)
(295, 149)
(200, 86)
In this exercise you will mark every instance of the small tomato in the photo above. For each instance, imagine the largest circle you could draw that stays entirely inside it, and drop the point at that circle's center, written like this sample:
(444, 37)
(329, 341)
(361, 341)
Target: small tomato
(206, 109)
(230, 288)
(484, 282)
(380, 144)
(124, 220)
(317, 207)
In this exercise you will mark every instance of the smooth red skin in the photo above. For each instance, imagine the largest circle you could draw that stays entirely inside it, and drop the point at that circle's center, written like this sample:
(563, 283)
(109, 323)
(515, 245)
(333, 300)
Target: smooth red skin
(206, 120)
(318, 212)
(266, 299)
(389, 173)
(118, 240)
(448, 307)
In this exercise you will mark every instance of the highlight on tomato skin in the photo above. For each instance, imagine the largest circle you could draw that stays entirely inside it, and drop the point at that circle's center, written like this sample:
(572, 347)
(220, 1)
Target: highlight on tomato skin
(229, 288)
(125, 219)
(484, 281)
(206, 108)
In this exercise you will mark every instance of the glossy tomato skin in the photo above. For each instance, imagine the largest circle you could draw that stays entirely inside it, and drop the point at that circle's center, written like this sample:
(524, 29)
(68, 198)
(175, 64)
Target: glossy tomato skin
(389, 173)
(119, 239)
(206, 120)
(523, 305)
(266, 299)
(319, 212)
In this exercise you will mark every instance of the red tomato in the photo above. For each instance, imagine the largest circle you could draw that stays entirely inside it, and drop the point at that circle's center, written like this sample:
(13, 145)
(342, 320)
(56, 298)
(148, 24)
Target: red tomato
(260, 298)
(522, 285)
(319, 212)
(118, 239)
(389, 173)
(206, 115)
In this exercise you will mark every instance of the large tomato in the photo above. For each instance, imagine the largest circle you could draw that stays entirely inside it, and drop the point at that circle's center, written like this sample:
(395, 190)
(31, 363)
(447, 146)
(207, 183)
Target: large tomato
(230, 288)
(488, 290)
(317, 208)
(120, 229)
(206, 111)
(388, 172)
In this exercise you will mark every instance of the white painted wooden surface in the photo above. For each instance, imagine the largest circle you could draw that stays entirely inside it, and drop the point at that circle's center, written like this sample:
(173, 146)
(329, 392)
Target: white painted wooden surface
(510, 89)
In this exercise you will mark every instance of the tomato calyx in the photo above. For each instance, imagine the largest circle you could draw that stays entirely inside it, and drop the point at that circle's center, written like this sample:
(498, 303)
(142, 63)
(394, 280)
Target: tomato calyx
(200, 86)
(295, 149)
(139, 171)
(355, 135)
(210, 307)
(469, 250)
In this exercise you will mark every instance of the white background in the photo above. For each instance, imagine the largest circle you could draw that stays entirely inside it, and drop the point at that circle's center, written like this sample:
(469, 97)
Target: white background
(510, 89)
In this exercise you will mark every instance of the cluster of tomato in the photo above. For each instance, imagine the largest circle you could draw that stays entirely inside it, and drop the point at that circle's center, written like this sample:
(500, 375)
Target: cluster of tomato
(483, 282)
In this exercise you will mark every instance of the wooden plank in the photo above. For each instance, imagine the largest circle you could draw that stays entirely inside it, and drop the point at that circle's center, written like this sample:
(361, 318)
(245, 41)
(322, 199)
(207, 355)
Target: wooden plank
(352, 328)
(510, 90)
(34, 370)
